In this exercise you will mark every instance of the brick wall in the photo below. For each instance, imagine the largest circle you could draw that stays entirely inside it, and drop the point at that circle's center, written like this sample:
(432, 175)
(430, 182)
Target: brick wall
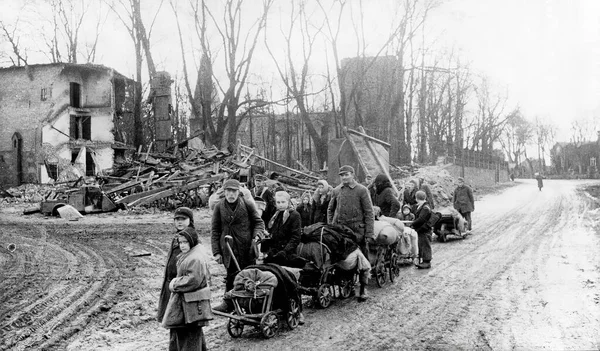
(478, 176)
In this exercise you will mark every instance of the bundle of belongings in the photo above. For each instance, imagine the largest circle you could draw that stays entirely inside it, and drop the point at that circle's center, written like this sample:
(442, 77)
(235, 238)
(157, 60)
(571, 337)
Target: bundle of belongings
(254, 283)
(405, 238)
(337, 241)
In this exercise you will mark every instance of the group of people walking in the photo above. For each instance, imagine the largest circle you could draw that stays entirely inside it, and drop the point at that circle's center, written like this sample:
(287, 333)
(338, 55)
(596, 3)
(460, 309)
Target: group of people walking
(242, 218)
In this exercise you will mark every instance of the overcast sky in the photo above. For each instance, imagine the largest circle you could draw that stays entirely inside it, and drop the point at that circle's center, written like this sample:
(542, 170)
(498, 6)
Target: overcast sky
(544, 53)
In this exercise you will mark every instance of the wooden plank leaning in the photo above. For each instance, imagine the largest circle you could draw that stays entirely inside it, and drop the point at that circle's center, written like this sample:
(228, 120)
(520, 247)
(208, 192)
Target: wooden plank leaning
(175, 190)
(377, 157)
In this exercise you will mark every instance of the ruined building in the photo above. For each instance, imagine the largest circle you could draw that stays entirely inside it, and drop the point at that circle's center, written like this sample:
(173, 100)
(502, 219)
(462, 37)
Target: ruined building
(369, 84)
(61, 121)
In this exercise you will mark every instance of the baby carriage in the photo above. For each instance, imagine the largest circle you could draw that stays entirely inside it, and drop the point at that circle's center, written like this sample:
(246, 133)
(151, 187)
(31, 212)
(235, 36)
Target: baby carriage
(451, 224)
(384, 252)
(326, 247)
(262, 296)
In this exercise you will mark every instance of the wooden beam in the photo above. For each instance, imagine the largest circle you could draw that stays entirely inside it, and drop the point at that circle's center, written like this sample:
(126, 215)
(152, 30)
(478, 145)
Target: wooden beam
(366, 136)
(285, 167)
(355, 149)
(175, 190)
(377, 157)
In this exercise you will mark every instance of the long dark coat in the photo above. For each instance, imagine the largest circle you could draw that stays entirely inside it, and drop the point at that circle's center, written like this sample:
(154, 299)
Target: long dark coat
(170, 273)
(305, 211)
(422, 215)
(319, 209)
(285, 236)
(386, 200)
(463, 199)
(192, 283)
(243, 224)
(351, 205)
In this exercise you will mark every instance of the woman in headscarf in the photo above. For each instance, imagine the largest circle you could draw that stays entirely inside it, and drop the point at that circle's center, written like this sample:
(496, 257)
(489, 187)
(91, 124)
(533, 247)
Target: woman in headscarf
(321, 199)
(189, 309)
(385, 196)
(305, 210)
(284, 228)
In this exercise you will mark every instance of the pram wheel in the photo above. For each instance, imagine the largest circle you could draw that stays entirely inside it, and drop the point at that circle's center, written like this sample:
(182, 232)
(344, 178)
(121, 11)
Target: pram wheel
(394, 267)
(235, 328)
(346, 288)
(293, 316)
(269, 324)
(380, 274)
(323, 298)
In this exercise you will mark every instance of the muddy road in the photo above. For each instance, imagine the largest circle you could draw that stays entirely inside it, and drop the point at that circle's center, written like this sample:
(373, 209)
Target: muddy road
(528, 278)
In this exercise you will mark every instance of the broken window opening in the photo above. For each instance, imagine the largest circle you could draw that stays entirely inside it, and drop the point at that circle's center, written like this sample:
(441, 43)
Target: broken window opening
(80, 127)
(75, 94)
(90, 166)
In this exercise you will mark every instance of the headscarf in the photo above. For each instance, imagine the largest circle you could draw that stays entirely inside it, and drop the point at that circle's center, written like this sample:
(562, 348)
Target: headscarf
(382, 182)
(321, 195)
(286, 212)
(190, 234)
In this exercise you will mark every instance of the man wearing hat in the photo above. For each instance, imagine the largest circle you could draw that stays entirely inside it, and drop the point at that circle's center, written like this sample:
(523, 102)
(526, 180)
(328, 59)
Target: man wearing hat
(351, 205)
(234, 217)
(463, 201)
(262, 191)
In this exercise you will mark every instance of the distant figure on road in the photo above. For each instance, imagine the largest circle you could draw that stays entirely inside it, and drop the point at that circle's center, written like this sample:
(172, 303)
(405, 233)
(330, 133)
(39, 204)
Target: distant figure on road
(464, 202)
(540, 182)
(512, 177)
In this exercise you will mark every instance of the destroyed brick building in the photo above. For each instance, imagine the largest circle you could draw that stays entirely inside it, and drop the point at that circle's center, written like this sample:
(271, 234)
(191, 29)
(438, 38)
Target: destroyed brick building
(62, 120)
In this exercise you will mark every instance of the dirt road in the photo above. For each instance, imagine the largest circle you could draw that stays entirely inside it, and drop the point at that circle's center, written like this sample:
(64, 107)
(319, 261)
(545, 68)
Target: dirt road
(528, 278)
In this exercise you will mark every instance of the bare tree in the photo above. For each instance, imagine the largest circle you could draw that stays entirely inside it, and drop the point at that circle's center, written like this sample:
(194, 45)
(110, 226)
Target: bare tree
(129, 13)
(19, 54)
(238, 45)
(412, 15)
(490, 117)
(295, 80)
(516, 134)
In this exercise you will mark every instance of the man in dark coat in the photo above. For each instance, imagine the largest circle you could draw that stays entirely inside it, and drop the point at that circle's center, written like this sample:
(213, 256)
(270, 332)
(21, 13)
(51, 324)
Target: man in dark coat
(420, 225)
(234, 217)
(463, 201)
(385, 196)
(351, 206)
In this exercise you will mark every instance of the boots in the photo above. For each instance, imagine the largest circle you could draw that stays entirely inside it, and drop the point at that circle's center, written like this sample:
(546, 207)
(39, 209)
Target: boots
(364, 296)
(226, 307)
(424, 265)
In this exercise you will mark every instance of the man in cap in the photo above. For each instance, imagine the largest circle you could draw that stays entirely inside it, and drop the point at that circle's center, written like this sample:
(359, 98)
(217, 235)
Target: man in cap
(463, 201)
(351, 205)
(234, 217)
(262, 191)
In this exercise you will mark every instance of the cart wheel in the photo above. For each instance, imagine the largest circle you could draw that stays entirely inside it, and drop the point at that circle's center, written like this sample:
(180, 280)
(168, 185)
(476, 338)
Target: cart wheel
(346, 288)
(323, 298)
(269, 324)
(380, 275)
(235, 328)
(395, 265)
(293, 316)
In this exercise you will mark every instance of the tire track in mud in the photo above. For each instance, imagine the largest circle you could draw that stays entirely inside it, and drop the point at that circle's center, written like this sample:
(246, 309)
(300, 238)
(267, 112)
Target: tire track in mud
(79, 290)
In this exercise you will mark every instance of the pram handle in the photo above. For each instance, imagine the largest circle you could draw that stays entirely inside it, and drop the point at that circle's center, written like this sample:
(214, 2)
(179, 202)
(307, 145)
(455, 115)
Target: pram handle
(228, 239)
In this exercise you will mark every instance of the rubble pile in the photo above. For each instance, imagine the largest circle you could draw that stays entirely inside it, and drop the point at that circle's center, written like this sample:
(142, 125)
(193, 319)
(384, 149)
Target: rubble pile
(441, 182)
(184, 177)
(25, 193)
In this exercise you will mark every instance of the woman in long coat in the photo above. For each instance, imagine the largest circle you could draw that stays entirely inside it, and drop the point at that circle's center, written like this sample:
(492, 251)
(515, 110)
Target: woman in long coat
(385, 196)
(189, 309)
(321, 199)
